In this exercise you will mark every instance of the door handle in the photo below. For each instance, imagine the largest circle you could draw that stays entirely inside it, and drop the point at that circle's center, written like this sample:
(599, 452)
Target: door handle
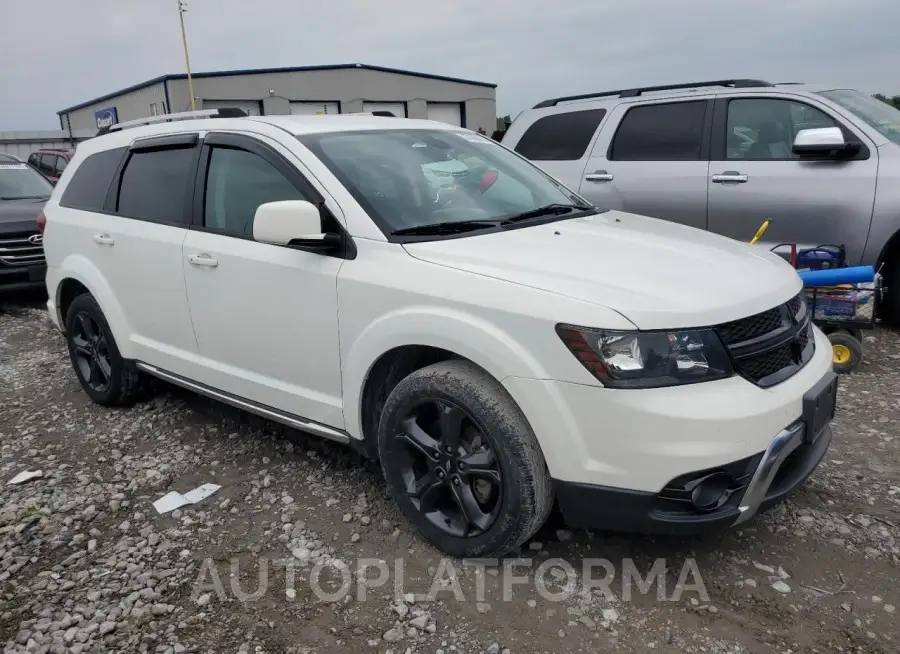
(599, 176)
(202, 260)
(731, 176)
(104, 239)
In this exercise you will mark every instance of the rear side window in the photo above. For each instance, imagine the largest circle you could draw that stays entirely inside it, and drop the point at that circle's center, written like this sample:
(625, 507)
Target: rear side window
(90, 182)
(155, 184)
(561, 137)
(660, 132)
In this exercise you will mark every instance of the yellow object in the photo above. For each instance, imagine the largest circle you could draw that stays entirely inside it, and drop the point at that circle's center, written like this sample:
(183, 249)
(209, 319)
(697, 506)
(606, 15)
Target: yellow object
(762, 230)
(840, 353)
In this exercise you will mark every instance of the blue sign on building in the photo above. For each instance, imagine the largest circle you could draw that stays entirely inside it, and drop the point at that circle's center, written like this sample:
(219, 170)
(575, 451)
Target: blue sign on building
(106, 117)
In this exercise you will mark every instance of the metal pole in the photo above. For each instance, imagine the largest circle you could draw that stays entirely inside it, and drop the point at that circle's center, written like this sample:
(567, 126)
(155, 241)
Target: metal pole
(187, 57)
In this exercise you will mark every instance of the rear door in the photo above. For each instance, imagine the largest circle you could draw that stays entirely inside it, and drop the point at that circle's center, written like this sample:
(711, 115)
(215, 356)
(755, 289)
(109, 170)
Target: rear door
(754, 176)
(559, 143)
(654, 163)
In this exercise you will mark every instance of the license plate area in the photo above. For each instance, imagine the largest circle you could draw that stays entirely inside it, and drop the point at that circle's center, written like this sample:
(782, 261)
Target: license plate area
(819, 404)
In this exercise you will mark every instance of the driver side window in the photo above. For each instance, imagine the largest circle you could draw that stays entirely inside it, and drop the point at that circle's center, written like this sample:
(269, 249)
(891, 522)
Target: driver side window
(763, 129)
(236, 184)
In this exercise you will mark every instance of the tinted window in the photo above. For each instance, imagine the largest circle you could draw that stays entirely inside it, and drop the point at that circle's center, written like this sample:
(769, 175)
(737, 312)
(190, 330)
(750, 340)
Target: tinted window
(237, 183)
(61, 164)
(89, 183)
(48, 164)
(765, 128)
(155, 184)
(660, 132)
(562, 137)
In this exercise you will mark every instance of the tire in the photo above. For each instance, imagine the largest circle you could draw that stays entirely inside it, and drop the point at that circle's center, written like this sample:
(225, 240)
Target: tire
(847, 351)
(516, 494)
(88, 334)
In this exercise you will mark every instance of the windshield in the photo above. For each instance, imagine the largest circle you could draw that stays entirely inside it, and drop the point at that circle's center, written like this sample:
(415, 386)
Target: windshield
(409, 178)
(20, 181)
(879, 115)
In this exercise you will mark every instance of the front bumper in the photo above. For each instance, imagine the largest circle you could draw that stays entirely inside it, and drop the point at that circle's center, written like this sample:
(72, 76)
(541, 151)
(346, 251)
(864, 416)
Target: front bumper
(18, 278)
(761, 481)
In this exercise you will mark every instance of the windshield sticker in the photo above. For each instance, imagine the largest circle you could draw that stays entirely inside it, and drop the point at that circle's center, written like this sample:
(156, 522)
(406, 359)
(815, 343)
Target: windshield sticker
(13, 167)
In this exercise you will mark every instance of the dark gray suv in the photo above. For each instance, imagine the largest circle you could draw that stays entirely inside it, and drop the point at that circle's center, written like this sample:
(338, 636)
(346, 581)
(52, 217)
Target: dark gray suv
(23, 192)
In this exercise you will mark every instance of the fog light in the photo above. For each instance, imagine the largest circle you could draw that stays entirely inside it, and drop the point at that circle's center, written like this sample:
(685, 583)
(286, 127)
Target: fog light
(711, 492)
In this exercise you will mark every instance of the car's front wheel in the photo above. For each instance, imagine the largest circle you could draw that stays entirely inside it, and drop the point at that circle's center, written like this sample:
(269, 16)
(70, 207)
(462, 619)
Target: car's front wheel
(462, 462)
(105, 376)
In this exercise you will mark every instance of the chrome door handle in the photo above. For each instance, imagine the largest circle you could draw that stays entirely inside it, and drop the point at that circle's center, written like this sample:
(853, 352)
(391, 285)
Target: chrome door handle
(599, 176)
(729, 176)
(104, 239)
(202, 260)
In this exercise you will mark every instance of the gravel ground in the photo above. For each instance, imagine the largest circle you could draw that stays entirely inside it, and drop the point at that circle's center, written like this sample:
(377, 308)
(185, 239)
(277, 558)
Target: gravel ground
(88, 565)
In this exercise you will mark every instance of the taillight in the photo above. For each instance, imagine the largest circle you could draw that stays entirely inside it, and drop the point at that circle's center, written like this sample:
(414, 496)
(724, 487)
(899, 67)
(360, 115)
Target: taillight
(41, 222)
(488, 179)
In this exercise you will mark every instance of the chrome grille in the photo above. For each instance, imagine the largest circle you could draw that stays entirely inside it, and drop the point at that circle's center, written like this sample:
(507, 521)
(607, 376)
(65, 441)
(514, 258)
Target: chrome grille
(21, 249)
(771, 346)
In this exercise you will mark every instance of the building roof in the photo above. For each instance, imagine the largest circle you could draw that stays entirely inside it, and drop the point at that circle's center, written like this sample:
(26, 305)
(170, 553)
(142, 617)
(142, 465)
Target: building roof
(266, 71)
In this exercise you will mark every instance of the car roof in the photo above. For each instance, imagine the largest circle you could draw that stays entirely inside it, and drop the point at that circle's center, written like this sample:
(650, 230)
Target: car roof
(606, 101)
(296, 125)
(349, 122)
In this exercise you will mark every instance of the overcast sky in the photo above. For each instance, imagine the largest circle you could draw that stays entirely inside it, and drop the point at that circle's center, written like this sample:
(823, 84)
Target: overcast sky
(56, 53)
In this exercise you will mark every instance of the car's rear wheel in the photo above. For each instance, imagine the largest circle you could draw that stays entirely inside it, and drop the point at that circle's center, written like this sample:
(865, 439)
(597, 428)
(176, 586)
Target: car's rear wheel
(105, 376)
(462, 462)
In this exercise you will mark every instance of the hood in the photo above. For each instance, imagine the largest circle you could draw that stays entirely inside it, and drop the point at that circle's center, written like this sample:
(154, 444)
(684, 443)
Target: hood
(19, 215)
(660, 275)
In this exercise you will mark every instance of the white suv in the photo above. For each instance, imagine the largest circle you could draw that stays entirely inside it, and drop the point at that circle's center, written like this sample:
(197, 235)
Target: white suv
(498, 352)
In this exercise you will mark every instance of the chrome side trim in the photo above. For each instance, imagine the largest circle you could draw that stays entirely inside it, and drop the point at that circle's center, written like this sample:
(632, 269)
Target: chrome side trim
(779, 449)
(248, 405)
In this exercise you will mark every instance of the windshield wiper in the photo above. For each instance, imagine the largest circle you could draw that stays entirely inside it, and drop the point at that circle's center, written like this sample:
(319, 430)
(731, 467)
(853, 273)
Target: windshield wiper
(546, 210)
(25, 197)
(449, 227)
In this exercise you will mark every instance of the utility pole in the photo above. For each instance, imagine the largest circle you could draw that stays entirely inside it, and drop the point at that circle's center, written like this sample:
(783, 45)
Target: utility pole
(182, 8)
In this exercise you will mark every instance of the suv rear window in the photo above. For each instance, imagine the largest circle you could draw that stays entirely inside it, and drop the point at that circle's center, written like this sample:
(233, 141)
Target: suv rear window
(660, 132)
(561, 137)
(155, 183)
(90, 183)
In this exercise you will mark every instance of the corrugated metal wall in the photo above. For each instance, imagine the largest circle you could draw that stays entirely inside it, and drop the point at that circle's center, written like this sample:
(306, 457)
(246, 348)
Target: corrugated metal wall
(22, 144)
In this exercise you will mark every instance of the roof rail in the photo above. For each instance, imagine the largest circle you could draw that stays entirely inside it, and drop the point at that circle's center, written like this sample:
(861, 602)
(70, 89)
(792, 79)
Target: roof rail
(223, 112)
(383, 114)
(635, 92)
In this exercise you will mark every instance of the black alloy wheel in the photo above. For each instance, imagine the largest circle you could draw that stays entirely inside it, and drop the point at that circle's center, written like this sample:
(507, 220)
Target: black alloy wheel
(462, 462)
(91, 352)
(451, 474)
(102, 372)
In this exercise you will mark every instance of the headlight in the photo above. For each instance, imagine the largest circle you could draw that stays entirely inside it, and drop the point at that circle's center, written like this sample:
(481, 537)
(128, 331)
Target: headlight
(648, 359)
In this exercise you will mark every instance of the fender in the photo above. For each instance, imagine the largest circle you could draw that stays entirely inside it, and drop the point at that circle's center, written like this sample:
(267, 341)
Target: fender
(474, 338)
(80, 268)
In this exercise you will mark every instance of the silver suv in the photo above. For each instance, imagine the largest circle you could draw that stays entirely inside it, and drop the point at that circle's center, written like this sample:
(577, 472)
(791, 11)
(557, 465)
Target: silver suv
(822, 164)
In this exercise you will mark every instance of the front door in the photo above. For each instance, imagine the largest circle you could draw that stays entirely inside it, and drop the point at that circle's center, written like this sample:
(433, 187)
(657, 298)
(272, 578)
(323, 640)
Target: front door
(265, 316)
(655, 163)
(754, 176)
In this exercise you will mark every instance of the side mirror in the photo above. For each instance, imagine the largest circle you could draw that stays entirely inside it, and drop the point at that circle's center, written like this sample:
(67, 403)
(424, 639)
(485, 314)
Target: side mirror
(293, 223)
(823, 143)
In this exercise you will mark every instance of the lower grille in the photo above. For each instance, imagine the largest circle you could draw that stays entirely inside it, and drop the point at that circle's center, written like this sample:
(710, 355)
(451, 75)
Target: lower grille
(22, 249)
(771, 346)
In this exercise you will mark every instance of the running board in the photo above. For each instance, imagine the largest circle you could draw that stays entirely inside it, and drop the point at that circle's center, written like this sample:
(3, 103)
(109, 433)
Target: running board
(288, 419)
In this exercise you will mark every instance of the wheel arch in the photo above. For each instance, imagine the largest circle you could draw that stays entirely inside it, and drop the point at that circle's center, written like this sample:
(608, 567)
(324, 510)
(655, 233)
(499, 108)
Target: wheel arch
(79, 275)
(397, 345)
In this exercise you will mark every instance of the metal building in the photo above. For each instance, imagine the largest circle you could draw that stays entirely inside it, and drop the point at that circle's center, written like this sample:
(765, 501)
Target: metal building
(344, 88)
